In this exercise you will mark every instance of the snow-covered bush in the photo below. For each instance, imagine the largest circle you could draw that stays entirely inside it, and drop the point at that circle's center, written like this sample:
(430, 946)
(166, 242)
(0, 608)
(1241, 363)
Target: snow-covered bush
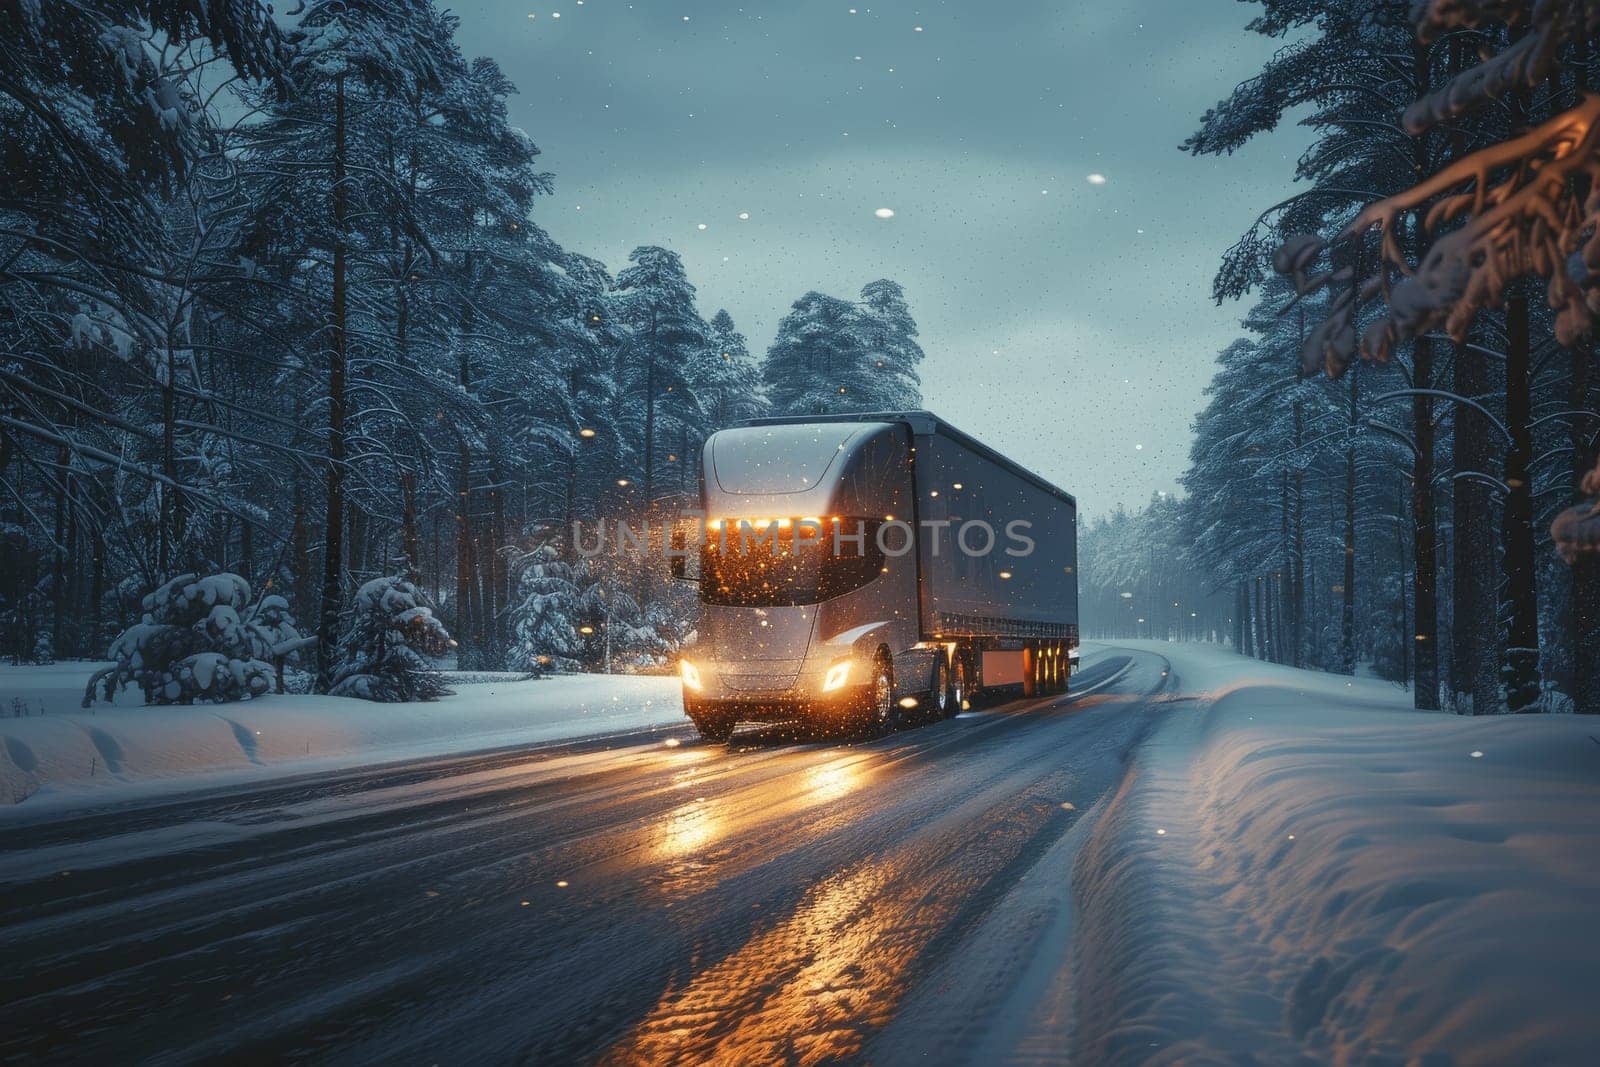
(200, 640)
(554, 596)
(44, 647)
(384, 653)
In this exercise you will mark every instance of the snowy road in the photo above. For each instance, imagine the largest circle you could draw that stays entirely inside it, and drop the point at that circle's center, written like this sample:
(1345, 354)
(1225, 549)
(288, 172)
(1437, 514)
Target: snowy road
(626, 900)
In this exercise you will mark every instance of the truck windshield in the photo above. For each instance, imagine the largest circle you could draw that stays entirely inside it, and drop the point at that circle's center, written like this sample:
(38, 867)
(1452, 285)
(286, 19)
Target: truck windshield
(772, 571)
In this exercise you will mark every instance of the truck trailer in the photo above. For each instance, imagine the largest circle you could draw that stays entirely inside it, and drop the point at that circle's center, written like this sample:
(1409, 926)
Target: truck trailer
(860, 571)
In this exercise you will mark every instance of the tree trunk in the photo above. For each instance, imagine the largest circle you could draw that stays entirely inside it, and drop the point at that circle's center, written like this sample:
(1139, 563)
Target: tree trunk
(1474, 681)
(1347, 629)
(494, 645)
(167, 532)
(1240, 610)
(1406, 633)
(1298, 599)
(466, 625)
(650, 429)
(1274, 650)
(1522, 650)
(97, 590)
(1584, 613)
(58, 567)
(333, 549)
(409, 542)
(247, 551)
(1260, 621)
(1425, 544)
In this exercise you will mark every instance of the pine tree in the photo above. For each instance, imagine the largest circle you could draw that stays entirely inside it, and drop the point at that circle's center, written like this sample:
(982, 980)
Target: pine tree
(199, 640)
(817, 364)
(655, 301)
(384, 653)
(891, 339)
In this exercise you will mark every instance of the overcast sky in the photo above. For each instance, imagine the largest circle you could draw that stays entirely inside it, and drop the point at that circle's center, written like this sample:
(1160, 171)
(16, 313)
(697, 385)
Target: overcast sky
(1067, 320)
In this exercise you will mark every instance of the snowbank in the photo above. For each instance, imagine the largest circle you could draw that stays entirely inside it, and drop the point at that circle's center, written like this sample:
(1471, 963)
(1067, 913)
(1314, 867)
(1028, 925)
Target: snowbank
(60, 754)
(1300, 865)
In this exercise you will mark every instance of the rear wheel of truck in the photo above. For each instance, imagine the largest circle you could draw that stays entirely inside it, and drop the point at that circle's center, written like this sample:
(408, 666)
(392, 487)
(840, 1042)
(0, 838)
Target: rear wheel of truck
(939, 694)
(956, 690)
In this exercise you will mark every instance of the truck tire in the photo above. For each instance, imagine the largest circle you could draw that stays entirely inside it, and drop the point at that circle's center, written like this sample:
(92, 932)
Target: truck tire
(939, 692)
(880, 715)
(958, 687)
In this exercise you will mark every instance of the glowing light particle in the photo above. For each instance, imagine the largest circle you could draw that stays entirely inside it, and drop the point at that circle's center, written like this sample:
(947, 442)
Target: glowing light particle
(884, 213)
(1096, 179)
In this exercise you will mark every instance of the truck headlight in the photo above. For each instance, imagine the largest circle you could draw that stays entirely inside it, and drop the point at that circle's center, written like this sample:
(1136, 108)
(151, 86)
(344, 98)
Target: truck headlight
(838, 674)
(690, 674)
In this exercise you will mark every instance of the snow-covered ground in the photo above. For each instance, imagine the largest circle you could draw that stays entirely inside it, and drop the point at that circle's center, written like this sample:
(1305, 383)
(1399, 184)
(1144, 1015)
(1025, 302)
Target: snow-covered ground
(1300, 865)
(58, 755)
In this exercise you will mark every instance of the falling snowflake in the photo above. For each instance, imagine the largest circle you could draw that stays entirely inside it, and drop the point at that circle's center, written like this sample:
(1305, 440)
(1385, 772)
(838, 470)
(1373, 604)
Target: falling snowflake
(744, 215)
(1097, 179)
(884, 213)
(700, 226)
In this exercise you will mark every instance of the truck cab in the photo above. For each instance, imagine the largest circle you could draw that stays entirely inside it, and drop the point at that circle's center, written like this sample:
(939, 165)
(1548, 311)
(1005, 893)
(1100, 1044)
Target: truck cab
(803, 612)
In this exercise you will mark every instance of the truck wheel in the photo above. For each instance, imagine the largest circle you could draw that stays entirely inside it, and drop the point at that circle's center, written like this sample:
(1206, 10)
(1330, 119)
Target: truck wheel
(881, 715)
(939, 695)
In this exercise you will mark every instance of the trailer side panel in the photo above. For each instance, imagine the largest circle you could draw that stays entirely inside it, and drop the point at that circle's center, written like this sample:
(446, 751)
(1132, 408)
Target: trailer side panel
(1013, 589)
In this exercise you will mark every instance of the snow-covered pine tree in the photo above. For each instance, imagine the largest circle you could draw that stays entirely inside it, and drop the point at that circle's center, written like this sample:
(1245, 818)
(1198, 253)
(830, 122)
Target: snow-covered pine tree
(553, 599)
(734, 392)
(385, 652)
(891, 337)
(655, 301)
(199, 641)
(817, 364)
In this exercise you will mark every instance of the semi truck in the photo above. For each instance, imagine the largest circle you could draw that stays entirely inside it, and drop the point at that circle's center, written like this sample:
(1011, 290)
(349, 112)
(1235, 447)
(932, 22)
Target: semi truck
(858, 572)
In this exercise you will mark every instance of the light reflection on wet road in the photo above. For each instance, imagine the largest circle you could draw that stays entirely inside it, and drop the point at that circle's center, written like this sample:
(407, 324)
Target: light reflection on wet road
(775, 900)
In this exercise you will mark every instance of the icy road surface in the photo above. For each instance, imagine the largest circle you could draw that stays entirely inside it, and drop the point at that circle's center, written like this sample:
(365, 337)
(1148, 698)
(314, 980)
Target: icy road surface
(646, 898)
